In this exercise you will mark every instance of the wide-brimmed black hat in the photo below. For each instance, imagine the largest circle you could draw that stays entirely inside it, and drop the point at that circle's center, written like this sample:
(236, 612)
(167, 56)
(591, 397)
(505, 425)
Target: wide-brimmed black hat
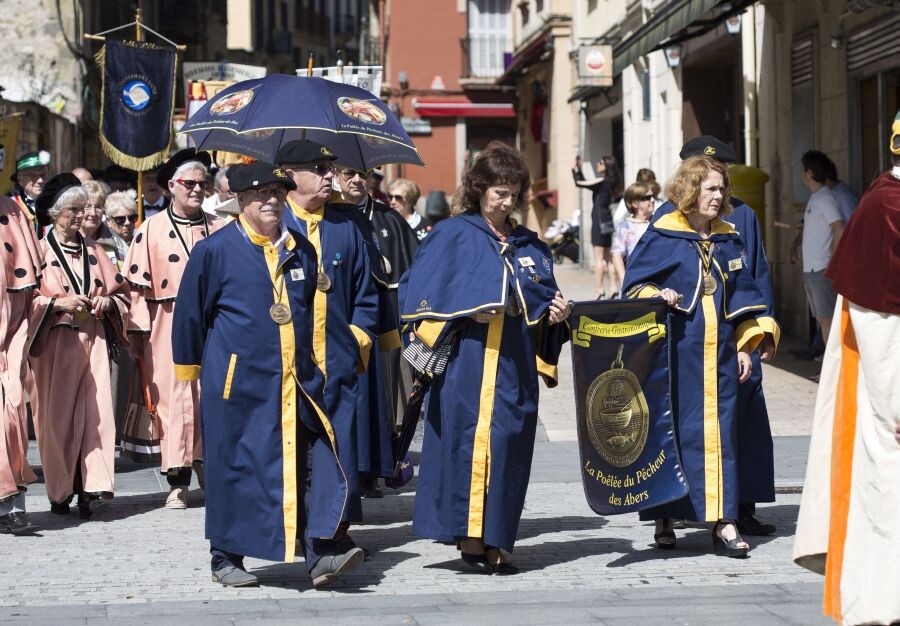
(304, 151)
(167, 170)
(707, 145)
(37, 158)
(53, 189)
(256, 175)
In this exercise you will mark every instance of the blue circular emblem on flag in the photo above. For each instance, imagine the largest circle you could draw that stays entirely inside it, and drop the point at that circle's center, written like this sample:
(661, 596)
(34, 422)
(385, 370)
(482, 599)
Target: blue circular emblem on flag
(136, 95)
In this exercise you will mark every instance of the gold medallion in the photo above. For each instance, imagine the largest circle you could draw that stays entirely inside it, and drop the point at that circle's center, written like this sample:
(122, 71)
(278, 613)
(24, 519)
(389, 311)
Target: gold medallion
(709, 285)
(618, 418)
(323, 283)
(82, 314)
(280, 313)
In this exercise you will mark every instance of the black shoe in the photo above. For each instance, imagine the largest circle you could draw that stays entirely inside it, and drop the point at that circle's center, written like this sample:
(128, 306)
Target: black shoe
(500, 567)
(59, 508)
(477, 562)
(665, 534)
(751, 525)
(332, 566)
(372, 490)
(728, 547)
(17, 523)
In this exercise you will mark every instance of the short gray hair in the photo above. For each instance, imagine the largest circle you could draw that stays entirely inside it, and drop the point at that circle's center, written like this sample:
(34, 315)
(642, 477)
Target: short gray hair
(73, 196)
(189, 166)
(120, 200)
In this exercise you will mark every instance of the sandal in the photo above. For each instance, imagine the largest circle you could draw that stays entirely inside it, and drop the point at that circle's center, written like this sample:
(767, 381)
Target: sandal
(498, 562)
(665, 534)
(729, 547)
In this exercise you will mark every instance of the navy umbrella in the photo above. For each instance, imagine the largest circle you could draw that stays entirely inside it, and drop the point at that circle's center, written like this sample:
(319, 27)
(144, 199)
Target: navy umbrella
(256, 117)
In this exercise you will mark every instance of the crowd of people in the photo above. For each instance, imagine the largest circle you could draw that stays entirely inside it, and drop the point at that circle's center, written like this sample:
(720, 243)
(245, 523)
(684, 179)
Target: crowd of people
(269, 337)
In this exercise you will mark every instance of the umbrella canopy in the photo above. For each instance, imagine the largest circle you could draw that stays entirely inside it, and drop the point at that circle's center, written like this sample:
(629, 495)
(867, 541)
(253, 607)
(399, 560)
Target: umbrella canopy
(256, 117)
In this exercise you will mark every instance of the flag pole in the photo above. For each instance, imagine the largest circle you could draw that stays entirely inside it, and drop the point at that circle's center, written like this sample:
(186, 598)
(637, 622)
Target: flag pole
(139, 36)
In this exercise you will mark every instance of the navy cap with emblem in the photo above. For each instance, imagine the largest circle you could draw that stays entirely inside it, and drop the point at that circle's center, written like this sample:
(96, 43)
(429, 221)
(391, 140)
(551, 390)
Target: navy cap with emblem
(167, 170)
(256, 175)
(304, 151)
(707, 145)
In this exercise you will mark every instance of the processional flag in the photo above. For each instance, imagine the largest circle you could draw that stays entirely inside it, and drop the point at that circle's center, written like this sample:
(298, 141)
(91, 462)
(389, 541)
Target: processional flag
(137, 101)
(620, 361)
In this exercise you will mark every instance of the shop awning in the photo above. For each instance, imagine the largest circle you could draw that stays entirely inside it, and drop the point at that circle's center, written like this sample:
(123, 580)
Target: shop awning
(461, 107)
(671, 19)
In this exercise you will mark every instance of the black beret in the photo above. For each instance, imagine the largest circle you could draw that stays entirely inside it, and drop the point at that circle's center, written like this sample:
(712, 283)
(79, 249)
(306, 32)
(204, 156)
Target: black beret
(707, 145)
(167, 170)
(257, 174)
(303, 151)
(53, 189)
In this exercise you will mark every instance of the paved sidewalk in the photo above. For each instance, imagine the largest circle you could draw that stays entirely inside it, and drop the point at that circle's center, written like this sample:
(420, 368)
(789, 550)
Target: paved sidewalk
(138, 563)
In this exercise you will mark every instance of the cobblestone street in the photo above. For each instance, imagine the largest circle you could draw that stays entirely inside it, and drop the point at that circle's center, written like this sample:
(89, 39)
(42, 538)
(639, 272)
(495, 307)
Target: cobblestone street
(139, 563)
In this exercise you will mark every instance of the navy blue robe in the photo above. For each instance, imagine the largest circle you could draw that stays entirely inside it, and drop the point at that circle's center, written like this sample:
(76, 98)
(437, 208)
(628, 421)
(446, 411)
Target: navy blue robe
(756, 459)
(706, 333)
(256, 378)
(481, 413)
(344, 327)
(374, 406)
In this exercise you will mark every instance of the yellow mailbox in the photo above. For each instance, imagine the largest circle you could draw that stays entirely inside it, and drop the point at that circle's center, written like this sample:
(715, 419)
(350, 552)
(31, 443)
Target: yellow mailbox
(748, 183)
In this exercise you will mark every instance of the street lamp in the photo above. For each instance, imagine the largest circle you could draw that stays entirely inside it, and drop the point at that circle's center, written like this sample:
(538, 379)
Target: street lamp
(673, 55)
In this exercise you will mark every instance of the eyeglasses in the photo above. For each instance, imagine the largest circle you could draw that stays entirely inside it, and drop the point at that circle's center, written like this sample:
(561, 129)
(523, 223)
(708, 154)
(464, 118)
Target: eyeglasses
(649, 196)
(75, 210)
(349, 174)
(397, 197)
(189, 184)
(263, 195)
(93, 207)
(121, 219)
(321, 169)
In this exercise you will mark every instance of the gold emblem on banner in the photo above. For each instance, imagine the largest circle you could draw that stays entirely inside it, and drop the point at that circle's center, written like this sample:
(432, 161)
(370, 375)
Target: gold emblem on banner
(618, 419)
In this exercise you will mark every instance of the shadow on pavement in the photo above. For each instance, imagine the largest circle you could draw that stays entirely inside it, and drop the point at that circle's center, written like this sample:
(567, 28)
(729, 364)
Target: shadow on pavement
(295, 576)
(533, 527)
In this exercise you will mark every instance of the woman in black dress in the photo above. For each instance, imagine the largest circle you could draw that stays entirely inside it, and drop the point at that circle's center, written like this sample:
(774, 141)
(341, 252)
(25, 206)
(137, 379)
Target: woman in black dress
(606, 190)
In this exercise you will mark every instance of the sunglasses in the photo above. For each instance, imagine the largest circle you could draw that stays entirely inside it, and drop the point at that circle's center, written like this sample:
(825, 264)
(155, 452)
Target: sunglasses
(397, 197)
(121, 219)
(321, 169)
(279, 193)
(351, 174)
(649, 196)
(190, 184)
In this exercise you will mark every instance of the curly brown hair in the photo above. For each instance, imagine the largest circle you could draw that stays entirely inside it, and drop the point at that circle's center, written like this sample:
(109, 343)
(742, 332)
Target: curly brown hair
(497, 164)
(683, 188)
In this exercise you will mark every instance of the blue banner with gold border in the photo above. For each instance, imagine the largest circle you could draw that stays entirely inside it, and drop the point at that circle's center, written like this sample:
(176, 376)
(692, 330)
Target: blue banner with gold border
(136, 103)
(620, 363)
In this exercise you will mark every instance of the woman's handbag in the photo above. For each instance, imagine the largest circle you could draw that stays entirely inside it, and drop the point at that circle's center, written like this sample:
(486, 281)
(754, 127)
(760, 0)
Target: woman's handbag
(141, 433)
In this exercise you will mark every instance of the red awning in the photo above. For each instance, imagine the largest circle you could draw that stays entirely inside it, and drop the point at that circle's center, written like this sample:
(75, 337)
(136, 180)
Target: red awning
(461, 107)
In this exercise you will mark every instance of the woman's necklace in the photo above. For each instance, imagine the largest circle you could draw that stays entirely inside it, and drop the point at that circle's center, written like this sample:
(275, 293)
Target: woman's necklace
(501, 234)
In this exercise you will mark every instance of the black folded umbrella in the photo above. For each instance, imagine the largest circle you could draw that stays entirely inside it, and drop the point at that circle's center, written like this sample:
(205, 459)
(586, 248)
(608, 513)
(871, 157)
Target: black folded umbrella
(403, 439)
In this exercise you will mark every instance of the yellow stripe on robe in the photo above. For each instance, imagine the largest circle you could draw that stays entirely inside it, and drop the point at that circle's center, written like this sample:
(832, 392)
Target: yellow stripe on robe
(712, 444)
(482, 444)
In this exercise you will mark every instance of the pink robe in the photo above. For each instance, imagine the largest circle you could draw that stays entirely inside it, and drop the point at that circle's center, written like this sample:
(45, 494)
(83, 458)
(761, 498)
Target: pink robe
(153, 267)
(19, 277)
(72, 399)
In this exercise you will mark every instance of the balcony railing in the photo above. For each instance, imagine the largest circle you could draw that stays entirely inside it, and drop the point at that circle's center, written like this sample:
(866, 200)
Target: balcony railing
(483, 55)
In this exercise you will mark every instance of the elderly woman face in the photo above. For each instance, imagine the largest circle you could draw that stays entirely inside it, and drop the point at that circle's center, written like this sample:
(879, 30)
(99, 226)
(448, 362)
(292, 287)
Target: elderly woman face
(498, 202)
(398, 200)
(69, 220)
(712, 192)
(121, 221)
(188, 190)
(93, 216)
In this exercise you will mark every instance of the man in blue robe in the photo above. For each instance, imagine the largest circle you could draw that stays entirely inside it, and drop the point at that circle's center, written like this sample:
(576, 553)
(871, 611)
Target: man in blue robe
(345, 306)
(244, 327)
(755, 456)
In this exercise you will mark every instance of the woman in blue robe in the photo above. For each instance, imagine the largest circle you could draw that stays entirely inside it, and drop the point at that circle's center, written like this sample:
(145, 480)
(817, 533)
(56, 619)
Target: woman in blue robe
(697, 263)
(489, 282)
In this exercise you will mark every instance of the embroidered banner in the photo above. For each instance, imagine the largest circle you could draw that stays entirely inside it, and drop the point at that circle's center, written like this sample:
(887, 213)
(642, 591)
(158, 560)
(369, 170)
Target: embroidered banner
(137, 101)
(620, 361)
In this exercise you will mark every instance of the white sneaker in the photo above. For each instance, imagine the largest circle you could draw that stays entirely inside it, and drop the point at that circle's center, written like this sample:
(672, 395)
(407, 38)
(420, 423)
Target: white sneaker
(177, 498)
